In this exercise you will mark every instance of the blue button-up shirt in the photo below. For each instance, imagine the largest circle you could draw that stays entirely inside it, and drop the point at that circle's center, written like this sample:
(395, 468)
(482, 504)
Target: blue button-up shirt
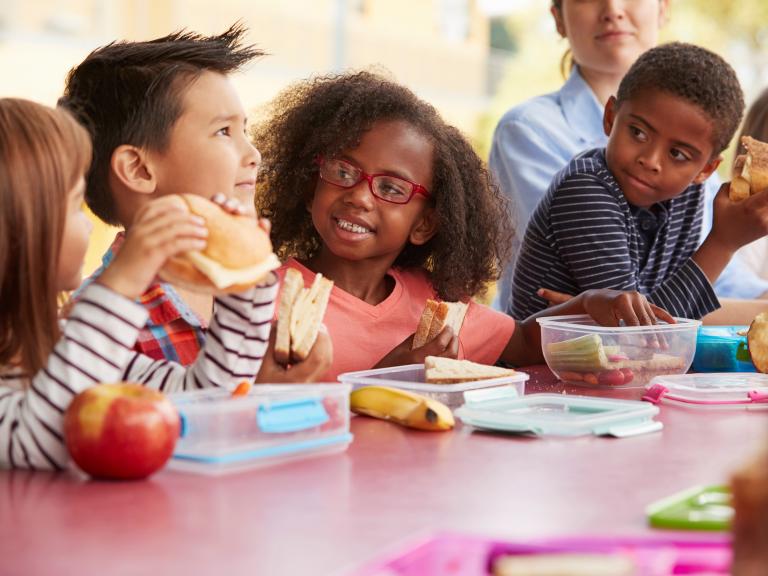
(536, 139)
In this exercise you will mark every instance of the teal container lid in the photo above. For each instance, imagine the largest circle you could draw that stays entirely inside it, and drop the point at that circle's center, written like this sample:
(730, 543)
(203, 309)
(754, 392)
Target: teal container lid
(697, 508)
(557, 414)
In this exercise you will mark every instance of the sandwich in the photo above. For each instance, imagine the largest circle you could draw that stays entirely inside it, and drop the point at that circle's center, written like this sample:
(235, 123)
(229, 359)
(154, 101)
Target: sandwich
(439, 370)
(299, 315)
(750, 170)
(435, 317)
(565, 564)
(757, 342)
(237, 256)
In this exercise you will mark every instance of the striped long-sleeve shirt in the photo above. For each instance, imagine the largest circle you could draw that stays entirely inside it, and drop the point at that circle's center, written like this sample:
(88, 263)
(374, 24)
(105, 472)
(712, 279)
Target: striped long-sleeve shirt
(96, 346)
(584, 234)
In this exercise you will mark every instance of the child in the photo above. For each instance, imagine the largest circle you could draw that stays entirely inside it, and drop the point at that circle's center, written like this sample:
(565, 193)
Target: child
(165, 119)
(366, 184)
(628, 217)
(44, 155)
(756, 125)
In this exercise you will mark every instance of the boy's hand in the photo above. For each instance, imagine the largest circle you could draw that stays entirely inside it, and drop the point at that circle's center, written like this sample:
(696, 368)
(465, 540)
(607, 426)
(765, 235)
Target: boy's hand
(610, 307)
(311, 369)
(161, 229)
(446, 343)
(736, 224)
(553, 297)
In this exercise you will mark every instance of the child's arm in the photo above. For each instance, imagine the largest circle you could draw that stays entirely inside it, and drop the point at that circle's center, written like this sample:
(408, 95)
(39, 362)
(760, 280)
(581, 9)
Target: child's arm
(735, 224)
(235, 344)
(446, 343)
(95, 344)
(607, 307)
(592, 244)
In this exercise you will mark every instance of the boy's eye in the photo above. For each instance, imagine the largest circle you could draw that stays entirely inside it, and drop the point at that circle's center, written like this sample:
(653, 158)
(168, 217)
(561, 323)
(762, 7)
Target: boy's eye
(678, 155)
(223, 131)
(637, 133)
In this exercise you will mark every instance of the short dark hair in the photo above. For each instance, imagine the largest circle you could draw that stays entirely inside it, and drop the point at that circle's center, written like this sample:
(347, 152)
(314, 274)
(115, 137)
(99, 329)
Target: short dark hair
(327, 115)
(694, 74)
(131, 93)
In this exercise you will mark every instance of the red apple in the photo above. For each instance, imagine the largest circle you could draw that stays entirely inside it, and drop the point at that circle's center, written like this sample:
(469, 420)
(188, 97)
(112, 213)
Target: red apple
(121, 431)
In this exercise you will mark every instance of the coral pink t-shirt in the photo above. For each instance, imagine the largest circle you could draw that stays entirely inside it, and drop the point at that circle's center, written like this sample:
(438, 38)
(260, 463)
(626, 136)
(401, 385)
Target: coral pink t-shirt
(363, 334)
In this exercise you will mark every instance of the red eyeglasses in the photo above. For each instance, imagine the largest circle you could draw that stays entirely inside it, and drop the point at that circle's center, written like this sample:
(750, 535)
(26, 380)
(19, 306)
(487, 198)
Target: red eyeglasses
(383, 186)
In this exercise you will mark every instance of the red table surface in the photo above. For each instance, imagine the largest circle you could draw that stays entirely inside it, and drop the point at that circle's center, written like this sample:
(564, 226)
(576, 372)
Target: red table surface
(330, 514)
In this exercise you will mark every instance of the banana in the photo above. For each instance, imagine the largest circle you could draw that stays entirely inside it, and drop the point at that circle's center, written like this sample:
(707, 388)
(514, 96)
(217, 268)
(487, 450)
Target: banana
(402, 407)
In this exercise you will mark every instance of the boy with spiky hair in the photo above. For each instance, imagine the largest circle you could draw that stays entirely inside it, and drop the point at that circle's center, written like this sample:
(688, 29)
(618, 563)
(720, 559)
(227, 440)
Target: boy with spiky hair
(165, 119)
(629, 216)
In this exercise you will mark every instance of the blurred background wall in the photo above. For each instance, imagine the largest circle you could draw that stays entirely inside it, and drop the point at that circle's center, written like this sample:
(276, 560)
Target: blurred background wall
(473, 59)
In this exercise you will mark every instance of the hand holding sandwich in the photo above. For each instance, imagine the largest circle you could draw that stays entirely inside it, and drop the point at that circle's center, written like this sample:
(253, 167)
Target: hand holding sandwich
(735, 224)
(167, 229)
(445, 344)
(310, 369)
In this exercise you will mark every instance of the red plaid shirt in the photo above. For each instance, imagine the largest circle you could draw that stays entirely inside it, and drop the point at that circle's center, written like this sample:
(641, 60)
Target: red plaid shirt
(173, 332)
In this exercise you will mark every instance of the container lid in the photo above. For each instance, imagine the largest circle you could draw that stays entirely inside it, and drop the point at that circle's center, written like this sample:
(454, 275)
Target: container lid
(558, 415)
(718, 334)
(697, 508)
(714, 389)
(585, 323)
(411, 376)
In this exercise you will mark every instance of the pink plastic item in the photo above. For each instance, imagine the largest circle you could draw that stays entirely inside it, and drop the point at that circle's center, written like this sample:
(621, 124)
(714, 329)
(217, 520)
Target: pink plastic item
(467, 555)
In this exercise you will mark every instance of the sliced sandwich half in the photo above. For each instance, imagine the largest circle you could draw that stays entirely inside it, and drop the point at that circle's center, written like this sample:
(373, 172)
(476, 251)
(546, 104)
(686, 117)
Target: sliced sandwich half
(438, 370)
(436, 316)
(750, 170)
(299, 315)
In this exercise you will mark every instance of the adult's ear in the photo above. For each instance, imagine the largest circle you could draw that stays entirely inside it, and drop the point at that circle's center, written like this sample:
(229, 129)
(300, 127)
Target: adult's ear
(425, 227)
(130, 166)
(663, 12)
(609, 116)
(708, 169)
(557, 14)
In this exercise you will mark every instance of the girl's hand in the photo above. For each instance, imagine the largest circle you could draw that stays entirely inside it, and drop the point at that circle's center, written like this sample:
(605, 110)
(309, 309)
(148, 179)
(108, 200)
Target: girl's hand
(311, 369)
(161, 229)
(610, 307)
(446, 343)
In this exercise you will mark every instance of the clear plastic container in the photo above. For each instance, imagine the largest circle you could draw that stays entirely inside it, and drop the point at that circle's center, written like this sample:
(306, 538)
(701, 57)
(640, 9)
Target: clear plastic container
(722, 349)
(710, 390)
(559, 415)
(270, 425)
(411, 377)
(583, 353)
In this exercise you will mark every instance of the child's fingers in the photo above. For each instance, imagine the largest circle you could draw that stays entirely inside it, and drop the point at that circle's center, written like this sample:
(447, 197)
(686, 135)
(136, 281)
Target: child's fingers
(625, 310)
(552, 296)
(229, 204)
(662, 314)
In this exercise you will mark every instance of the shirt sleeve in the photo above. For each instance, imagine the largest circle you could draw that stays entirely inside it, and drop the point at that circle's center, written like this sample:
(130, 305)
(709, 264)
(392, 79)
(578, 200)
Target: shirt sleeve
(94, 347)
(593, 246)
(234, 347)
(737, 280)
(523, 161)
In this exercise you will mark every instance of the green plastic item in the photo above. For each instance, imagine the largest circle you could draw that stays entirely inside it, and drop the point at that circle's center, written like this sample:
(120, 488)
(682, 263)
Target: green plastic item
(698, 508)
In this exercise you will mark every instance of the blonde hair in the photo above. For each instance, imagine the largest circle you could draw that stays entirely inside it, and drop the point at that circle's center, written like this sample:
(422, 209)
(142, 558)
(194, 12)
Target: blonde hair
(43, 153)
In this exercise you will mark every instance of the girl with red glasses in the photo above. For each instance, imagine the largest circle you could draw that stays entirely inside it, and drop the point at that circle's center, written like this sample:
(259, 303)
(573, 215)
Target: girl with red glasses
(368, 185)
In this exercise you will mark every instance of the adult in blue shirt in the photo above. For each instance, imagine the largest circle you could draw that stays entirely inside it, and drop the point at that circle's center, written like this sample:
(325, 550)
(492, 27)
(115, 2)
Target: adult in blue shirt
(534, 140)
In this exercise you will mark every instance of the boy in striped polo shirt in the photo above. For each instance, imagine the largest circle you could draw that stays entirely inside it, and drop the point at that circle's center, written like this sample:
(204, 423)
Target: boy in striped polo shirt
(629, 216)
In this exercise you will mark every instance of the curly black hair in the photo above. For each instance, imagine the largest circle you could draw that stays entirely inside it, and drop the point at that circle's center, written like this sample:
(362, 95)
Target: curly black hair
(131, 93)
(324, 116)
(694, 74)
